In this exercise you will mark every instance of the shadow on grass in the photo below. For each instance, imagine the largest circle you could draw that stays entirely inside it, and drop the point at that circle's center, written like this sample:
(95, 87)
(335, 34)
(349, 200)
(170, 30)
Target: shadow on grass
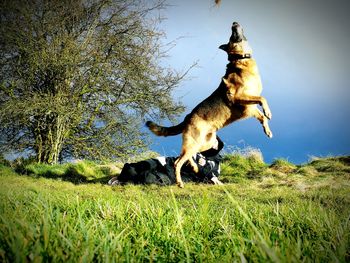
(234, 169)
(78, 173)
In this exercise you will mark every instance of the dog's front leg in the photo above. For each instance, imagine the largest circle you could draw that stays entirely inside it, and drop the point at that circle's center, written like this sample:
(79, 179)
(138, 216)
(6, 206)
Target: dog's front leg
(238, 97)
(255, 112)
(247, 100)
(265, 106)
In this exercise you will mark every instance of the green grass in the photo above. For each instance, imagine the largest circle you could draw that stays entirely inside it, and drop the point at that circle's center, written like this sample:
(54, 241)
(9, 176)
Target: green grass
(264, 213)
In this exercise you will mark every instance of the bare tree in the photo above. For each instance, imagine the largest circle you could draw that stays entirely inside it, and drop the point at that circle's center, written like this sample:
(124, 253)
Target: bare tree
(78, 76)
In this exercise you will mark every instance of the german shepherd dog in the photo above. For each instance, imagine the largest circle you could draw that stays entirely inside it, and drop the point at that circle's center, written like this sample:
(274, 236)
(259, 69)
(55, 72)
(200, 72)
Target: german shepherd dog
(236, 98)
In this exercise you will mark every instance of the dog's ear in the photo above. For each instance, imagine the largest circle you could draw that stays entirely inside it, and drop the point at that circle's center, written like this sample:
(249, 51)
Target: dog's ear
(227, 83)
(224, 47)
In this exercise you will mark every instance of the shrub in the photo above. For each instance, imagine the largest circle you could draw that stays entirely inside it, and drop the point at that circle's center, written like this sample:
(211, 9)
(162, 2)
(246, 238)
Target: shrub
(332, 164)
(246, 151)
(4, 161)
(283, 165)
(241, 166)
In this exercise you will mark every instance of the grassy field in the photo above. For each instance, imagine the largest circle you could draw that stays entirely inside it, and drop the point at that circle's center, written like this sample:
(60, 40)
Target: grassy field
(264, 213)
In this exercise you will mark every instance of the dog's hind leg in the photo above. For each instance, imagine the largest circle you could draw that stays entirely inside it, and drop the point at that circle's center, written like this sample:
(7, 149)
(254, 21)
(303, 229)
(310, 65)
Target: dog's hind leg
(188, 150)
(255, 112)
(193, 165)
(184, 156)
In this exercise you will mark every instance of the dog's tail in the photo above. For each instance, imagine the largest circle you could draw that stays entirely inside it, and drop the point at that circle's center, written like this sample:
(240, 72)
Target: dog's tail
(165, 131)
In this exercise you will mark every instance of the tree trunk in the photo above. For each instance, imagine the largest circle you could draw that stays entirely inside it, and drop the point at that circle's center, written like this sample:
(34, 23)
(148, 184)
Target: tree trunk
(49, 136)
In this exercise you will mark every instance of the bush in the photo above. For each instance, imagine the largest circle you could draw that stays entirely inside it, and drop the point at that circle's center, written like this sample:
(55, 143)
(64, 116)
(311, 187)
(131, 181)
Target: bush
(4, 161)
(332, 164)
(20, 163)
(241, 166)
(283, 165)
(247, 152)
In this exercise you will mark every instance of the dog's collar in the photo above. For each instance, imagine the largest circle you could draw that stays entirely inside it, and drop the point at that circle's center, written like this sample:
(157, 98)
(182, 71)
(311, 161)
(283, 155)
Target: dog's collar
(234, 57)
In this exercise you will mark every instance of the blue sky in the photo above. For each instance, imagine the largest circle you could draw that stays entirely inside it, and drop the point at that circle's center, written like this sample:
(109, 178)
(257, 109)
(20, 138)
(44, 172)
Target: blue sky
(301, 48)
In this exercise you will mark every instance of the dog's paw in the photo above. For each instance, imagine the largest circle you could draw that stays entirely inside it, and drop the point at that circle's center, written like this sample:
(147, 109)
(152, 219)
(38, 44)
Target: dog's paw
(268, 114)
(113, 181)
(180, 184)
(216, 181)
(269, 134)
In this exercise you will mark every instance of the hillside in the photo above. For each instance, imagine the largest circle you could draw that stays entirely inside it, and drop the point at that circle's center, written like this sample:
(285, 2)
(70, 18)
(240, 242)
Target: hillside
(280, 212)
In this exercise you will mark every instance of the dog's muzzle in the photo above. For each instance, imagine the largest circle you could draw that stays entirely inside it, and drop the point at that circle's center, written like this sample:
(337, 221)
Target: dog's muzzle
(237, 33)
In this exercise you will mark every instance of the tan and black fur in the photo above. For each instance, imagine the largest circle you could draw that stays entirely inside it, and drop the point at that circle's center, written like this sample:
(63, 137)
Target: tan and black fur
(236, 98)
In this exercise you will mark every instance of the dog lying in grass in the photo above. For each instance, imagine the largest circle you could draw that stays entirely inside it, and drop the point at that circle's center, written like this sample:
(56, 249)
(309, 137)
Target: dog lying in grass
(236, 98)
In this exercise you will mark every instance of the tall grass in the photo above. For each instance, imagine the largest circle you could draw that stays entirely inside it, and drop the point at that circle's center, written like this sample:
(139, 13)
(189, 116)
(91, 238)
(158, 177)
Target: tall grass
(265, 217)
